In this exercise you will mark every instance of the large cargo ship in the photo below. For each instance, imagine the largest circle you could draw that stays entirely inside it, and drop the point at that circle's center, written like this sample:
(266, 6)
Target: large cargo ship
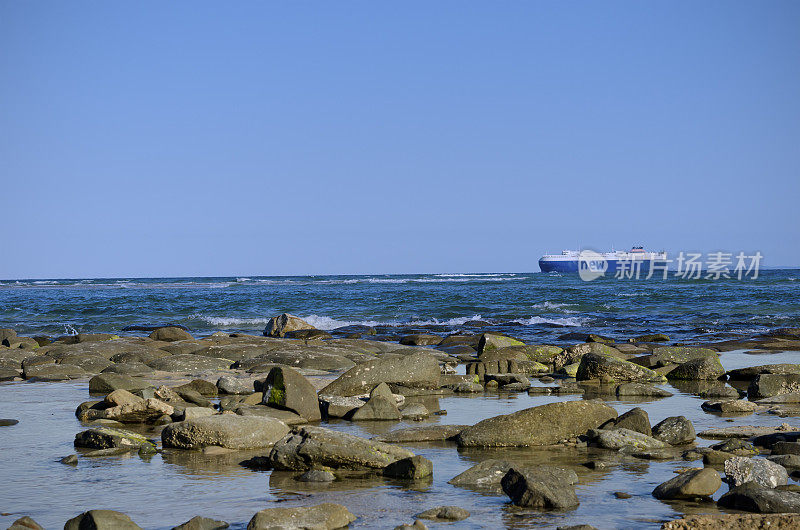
(636, 260)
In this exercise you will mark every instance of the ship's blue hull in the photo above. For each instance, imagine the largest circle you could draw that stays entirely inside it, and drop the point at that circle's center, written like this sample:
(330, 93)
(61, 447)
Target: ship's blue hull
(612, 265)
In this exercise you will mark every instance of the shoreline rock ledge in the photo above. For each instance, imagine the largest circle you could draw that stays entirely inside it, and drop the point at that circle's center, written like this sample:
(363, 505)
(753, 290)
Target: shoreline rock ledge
(543, 425)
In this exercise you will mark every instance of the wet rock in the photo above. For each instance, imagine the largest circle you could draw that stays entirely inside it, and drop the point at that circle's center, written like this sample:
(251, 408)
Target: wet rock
(653, 337)
(790, 461)
(641, 389)
(719, 392)
(170, 334)
(414, 412)
(485, 475)
(749, 431)
(791, 397)
(706, 368)
(418, 370)
(768, 385)
(307, 447)
(739, 470)
(444, 513)
(420, 339)
(411, 468)
(132, 369)
(619, 438)
(107, 383)
(192, 396)
(542, 425)
(326, 516)
(664, 355)
(736, 447)
(224, 430)
(716, 458)
(108, 437)
(730, 406)
(494, 341)
(542, 488)
(8, 374)
(417, 525)
(746, 374)
(753, 497)
(786, 448)
(608, 368)
(70, 460)
(467, 388)
(280, 325)
(734, 522)
(308, 334)
(201, 386)
(577, 527)
(635, 419)
(25, 523)
(202, 523)
(316, 475)
(287, 389)
(339, 406)
(101, 520)
(8, 422)
(53, 372)
(675, 430)
(228, 384)
(696, 483)
(622, 495)
(189, 363)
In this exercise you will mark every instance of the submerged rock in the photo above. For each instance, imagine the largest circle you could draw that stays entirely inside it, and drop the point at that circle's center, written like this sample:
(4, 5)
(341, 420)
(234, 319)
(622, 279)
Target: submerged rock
(325, 516)
(734, 522)
(202, 523)
(444, 513)
(542, 425)
(426, 433)
(101, 520)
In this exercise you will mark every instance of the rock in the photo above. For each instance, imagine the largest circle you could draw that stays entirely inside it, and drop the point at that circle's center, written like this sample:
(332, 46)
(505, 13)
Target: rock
(640, 389)
(746, 431)
(101, 520)
(8, 422)
(25, 523)
(653, 337)
(192, 413)
(201, 386)
(790, 461)
(308, 334)
(485, 475)
(326, 516)
(746, 374)
(141, 411)
(53, 372)
(719, 392)
(225, 430)
(339, 406)
(790, 397)
(740, 469)
(786, 448)
(542, 488)
(664, 355)
(607, 368)
(769, 385)
(280, 325)
(542, 425)
(420, 339)
(753, 497)
(306, 447)
(316, 475)
(736, 447)
(467, 388)
(445, 513)
(426, 433)
(108, 437)
(189, 363)
(635, 419)
(414, 412)
(378, 408)
(494, 341)
(418, 370)
(202, 523)
(107, 383)
(730, 406)
(716, 458)
(705, 368)
(675, 430)
(289, 390)
(8, 374)
(689, 485)
(70, 460)
(418, 525)
(412, 468)
(619, 438)
(734, 522)
(228, 384)
(622, 495)
(170, 334)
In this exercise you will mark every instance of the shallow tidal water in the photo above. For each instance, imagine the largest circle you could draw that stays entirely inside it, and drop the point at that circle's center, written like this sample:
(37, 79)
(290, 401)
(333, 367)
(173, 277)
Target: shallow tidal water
(173, 486)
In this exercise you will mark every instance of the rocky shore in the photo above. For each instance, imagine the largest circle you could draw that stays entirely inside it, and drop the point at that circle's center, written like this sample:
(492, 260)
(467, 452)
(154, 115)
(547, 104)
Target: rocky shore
(281, 399)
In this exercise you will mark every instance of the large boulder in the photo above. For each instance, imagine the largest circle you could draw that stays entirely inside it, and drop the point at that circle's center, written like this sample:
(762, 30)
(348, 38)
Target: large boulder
(675, 430)
(705, 368)
(380, 406)
(486, 475)
(740, 469)
(282, 324)
(495, 341)
(753, 497)
(170, 334)
(225, 430)
(607, 368)
(101, 520)
(108, 382)
(287, 389)
(325, 516)
(769, 385)
(418, 370)
(542, 425)
(689, 485)
(307, 447)
(635, 419)
(541, 488)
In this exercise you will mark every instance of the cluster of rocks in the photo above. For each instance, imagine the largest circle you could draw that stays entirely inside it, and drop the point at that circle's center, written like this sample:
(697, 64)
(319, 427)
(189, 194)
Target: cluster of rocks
(270, 392)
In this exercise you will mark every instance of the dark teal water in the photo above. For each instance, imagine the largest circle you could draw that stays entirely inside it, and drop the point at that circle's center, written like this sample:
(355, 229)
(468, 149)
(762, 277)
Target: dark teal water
(532, 306)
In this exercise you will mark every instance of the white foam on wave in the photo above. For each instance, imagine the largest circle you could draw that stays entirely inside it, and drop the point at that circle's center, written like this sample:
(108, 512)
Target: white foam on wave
(327, 323)
(222, 322)
(566, 321)
(560, 306)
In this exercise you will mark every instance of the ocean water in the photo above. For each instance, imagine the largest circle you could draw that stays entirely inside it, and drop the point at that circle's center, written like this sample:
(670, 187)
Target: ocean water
(535, 307)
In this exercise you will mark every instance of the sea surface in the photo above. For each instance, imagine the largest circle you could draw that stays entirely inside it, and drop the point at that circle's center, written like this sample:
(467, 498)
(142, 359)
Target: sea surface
(532, 306)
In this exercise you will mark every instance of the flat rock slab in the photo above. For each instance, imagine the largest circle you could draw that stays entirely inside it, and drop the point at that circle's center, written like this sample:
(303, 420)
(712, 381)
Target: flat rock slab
(745, 431)
(326, 516)
(224, 430)
(418, 370)
(427, 433)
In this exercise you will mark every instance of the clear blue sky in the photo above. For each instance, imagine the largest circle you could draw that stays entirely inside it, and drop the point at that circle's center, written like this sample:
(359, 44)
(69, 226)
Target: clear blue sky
(216, 138)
